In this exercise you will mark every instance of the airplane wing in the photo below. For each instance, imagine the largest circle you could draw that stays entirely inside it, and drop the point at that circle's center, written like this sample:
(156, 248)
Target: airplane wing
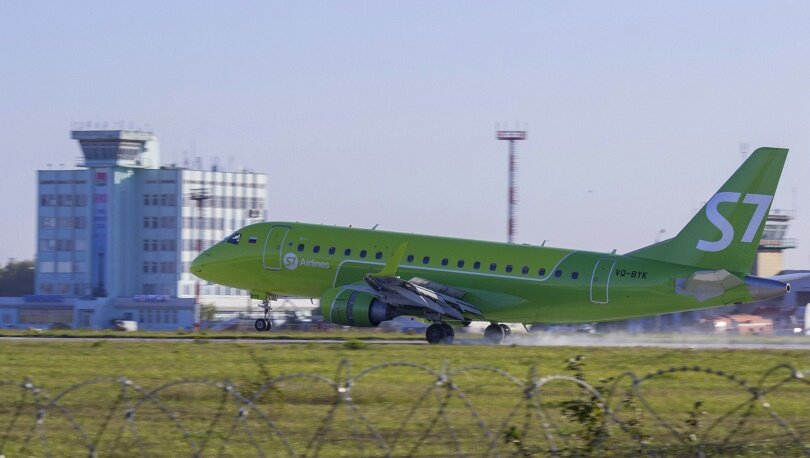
(414, 294)
(417, 293)
(421, 293)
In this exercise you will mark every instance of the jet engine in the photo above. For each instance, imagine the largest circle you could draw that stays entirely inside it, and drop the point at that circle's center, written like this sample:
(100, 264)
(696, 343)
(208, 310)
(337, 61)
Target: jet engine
(354, 308)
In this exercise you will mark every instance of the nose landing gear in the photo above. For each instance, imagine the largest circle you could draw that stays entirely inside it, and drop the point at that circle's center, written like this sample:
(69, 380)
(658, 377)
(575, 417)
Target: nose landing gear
(263, 324)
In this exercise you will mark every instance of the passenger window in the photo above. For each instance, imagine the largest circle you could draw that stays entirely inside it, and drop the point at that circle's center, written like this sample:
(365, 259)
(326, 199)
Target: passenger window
(410, 258)
(525, 270)
(316, 249)
(542, 271)
(234, 238)
(347, 252)
(252, 240)
(493, 266)
(378, 255)
(477, 265)
(574, 275)
(445, 261)
(460, 263)
(300, 247)
(509, 268)
(558, 273)
(331, 250)
(362, 253)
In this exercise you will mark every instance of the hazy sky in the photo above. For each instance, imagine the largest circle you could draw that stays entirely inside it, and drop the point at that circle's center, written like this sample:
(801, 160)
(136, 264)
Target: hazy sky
(383, 112)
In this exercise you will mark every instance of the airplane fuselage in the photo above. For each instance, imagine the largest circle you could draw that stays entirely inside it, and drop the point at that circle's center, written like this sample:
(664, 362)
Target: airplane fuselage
(507, 282)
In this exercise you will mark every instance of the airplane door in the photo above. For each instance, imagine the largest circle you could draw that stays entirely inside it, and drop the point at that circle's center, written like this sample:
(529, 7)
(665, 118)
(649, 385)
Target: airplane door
(273, 246)
(600, 281)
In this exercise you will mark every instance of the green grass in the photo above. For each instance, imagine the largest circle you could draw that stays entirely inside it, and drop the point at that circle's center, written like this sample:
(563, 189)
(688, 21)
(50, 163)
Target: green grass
(331, 334)
(385, 397)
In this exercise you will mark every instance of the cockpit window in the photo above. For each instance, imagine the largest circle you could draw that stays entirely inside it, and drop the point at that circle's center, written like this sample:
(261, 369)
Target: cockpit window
(234, 238)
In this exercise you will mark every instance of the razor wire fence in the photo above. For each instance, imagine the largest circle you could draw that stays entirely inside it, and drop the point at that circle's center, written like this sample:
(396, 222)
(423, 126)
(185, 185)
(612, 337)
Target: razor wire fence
(408, 409)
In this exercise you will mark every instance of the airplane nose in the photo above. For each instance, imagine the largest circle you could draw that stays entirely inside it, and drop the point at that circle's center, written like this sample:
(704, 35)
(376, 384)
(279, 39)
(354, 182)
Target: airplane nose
(198, 264)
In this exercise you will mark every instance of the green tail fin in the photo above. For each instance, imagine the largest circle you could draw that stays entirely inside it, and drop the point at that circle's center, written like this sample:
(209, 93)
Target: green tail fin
(725, 233)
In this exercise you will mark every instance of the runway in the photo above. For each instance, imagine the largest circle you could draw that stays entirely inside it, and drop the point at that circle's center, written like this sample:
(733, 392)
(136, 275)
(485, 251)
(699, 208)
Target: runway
(605, 341)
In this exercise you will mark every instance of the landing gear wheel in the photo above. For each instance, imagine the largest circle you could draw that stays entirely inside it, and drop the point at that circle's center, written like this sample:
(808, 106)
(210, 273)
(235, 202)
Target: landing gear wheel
(507, 332)
(434, 333)
(495, 333)
(262, 324)
(449, 334)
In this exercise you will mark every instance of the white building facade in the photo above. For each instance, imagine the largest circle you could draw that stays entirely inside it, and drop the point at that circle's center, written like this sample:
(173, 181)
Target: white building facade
(117, 235)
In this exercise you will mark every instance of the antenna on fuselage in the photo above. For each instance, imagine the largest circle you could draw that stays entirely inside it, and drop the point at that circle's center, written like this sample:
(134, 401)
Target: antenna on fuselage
(375, 226)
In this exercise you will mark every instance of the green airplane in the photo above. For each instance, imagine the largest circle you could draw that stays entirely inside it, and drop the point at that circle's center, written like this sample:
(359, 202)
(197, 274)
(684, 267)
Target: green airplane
(364, 277)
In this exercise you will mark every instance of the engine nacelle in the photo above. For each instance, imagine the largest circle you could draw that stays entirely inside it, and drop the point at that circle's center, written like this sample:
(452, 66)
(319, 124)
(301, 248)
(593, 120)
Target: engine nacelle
(353, 308)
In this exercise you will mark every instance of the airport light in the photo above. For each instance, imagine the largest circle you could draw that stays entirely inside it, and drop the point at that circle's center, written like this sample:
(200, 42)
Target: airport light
(199, 195)
(512, 136)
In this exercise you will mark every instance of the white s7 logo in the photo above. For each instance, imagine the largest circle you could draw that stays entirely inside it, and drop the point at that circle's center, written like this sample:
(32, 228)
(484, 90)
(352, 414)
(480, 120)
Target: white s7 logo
(726, 229)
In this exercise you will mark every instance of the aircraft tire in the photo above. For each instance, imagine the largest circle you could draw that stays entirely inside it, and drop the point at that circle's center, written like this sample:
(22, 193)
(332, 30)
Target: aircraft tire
(507, 331)
(449, 334)
(262, 325)
(435, 334)
(494, 333)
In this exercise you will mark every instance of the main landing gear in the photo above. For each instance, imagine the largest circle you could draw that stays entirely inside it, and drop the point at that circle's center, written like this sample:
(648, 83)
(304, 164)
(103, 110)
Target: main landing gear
(439, 333)
(497, 333)
(263, 324)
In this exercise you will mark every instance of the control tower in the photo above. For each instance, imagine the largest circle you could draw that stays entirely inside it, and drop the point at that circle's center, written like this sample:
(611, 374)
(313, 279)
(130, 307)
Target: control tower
(770, 256)
(110, 148)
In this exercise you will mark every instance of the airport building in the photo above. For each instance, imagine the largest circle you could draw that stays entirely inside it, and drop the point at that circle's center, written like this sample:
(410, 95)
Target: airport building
(116, 235)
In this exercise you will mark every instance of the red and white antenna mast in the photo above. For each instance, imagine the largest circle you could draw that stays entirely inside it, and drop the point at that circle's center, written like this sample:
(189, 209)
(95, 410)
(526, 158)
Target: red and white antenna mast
(512, 136)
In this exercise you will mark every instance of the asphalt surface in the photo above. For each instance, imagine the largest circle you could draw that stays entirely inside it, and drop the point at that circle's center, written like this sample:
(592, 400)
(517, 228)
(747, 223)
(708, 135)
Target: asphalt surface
(520, 340)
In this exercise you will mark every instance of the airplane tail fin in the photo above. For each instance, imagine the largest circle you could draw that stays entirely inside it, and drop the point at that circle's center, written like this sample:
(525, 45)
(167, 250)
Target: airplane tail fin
(725, 233)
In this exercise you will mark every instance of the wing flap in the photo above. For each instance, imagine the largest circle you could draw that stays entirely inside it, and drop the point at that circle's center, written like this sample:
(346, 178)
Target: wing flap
(435, 298)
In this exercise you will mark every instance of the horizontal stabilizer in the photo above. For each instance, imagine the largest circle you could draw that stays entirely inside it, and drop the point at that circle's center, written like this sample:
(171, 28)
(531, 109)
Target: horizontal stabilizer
(789, 277)
(707, 284)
